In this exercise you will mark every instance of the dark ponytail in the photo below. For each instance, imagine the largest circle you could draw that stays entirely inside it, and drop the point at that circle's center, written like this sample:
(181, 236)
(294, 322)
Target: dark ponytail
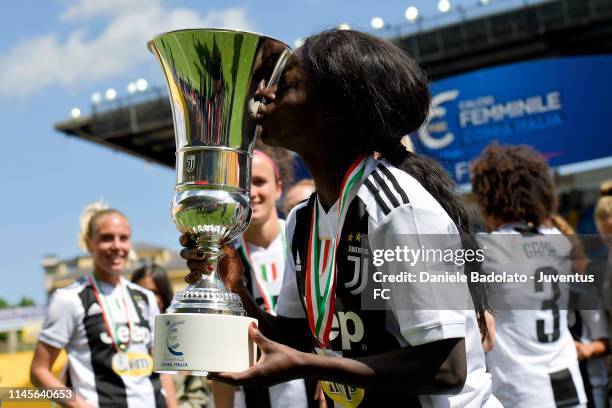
(438, 183)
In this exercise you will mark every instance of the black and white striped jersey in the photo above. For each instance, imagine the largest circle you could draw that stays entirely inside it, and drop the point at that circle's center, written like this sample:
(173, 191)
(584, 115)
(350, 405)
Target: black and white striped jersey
(75, 322)
(389, 202)
(534, 361)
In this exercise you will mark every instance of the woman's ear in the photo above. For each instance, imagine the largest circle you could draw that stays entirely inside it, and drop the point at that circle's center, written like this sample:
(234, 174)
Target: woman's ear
(88, 244)
(279, 189)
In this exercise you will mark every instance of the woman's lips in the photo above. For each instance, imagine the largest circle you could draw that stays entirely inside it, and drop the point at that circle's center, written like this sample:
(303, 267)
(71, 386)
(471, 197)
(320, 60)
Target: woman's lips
(117, 259)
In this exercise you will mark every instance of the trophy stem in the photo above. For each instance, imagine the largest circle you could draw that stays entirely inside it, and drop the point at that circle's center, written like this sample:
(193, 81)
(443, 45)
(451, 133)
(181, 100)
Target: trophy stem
(213, 253)
(208, 294)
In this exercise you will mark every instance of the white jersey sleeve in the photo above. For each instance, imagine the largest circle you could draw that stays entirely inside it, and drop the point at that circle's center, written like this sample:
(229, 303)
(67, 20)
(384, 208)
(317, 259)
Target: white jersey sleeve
(421, 317)
(289, 303)
(61, 320)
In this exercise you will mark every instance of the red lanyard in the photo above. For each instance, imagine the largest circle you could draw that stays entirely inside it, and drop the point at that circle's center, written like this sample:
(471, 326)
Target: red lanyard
(107, 315)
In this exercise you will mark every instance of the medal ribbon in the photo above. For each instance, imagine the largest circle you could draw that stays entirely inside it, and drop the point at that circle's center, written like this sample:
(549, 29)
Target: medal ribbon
(261, 281)
(107, 315)
(321, 271)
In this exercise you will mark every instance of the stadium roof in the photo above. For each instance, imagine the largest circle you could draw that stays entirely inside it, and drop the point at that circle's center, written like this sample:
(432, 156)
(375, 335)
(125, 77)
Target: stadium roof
(554, 28)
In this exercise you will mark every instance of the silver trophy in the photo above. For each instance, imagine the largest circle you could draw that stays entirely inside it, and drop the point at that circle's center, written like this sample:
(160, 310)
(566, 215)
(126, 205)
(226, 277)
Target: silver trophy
(212, 78)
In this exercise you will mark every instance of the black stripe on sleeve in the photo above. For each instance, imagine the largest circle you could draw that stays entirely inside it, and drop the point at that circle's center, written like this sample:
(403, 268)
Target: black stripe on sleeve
(376, 194)
(385, 189)
(393, 181)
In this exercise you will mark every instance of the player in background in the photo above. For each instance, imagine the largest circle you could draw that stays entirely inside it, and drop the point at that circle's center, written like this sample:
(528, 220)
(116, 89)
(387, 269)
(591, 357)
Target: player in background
(297, 193)
(263, 249)
(105, 324)
(534, 362)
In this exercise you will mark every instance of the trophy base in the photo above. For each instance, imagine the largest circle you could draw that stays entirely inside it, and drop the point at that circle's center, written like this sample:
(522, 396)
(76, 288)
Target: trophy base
(201, 343)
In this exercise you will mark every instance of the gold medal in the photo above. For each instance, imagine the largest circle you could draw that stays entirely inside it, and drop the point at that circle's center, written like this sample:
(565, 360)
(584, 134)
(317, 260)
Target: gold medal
(346, 396)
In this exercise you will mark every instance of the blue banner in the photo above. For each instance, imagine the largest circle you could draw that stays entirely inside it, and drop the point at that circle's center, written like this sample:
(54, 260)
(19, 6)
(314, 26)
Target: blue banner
(561, 107)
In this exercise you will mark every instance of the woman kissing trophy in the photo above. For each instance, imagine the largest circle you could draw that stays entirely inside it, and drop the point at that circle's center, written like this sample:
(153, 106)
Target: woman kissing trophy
(212, 77)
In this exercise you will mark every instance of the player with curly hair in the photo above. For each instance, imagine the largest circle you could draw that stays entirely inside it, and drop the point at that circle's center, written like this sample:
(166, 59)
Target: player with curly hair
(534, 361)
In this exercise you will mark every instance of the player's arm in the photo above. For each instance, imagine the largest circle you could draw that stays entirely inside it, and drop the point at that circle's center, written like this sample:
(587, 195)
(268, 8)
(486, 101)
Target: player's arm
(169, 390)
(434, 364)
(58, 327)
(596, 348)
(597, 326)
(434, 368)
(42, 377)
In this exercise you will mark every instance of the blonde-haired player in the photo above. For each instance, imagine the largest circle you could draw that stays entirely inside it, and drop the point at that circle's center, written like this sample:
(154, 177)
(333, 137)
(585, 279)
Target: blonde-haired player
(105, 324)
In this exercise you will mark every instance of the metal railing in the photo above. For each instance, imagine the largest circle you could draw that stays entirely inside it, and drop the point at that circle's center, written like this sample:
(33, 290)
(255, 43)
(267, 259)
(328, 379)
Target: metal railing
(529, 21)
(456, 14)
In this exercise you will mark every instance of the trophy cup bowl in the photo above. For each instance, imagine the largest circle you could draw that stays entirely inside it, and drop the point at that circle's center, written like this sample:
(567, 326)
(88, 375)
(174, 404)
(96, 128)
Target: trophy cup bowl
(212, 77)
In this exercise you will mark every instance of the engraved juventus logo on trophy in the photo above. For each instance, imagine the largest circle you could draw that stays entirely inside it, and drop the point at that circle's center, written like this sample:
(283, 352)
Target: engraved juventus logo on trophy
(190, 163)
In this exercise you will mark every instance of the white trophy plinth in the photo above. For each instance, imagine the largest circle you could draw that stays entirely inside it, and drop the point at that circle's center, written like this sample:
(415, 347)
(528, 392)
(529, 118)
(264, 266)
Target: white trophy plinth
(199, 343)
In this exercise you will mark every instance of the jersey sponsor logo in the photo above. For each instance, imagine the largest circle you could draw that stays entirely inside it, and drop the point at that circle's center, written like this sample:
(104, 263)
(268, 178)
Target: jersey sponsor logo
(347, 396)
(349, 326)
(139, 334)
(172, 343)
(343, 395)
(132, 364)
